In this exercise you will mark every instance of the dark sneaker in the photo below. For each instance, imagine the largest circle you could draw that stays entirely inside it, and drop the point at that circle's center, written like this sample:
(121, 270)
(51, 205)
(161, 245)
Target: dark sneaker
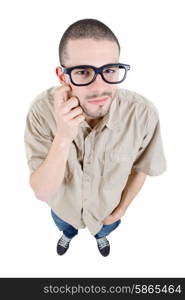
(63, 244)
(103, 246)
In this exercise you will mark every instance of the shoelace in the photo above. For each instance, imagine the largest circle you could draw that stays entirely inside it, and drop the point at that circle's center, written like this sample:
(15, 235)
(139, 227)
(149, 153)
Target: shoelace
(103, 242)
(64, 242)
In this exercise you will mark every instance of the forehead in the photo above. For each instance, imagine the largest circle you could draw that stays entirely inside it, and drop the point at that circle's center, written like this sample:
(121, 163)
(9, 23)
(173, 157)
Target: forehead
(91, 52)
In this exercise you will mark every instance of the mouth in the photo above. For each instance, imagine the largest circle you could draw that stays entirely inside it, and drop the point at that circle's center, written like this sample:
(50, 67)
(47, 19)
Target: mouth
(98, 101)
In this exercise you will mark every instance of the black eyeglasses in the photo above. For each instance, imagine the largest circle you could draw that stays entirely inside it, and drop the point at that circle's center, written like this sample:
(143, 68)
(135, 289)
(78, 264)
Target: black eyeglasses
(85, 74)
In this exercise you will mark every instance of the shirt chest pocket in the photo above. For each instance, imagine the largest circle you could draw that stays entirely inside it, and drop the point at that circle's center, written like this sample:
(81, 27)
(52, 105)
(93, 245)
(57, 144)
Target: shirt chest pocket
(117, 166)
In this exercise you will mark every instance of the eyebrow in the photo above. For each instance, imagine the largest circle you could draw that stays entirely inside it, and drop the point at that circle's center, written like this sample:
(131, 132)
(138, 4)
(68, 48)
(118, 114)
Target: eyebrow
(90, 65)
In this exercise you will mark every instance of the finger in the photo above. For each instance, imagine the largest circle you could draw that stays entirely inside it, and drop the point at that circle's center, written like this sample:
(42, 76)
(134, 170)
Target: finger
(71, 103)
(60, 89)
(73, 113)
(61, 94)
(77, 120)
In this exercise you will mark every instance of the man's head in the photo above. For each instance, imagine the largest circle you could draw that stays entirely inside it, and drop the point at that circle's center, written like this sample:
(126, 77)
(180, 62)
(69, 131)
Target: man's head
(89, 42)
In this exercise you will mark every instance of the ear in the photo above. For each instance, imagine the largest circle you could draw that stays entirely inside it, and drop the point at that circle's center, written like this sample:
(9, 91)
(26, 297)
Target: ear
(60, 74)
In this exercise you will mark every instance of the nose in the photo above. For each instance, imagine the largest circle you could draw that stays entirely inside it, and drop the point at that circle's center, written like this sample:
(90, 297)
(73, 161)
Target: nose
(98, 82)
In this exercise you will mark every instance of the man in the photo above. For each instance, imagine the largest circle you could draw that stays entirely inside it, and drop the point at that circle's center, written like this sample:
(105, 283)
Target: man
(89, 144)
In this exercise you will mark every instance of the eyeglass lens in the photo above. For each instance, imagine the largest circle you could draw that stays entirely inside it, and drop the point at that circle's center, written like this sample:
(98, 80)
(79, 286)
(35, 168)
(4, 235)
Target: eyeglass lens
(86, 75)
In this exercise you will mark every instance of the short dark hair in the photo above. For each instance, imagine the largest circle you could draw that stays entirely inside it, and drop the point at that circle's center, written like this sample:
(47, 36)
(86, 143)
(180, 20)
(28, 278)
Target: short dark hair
(82, 29)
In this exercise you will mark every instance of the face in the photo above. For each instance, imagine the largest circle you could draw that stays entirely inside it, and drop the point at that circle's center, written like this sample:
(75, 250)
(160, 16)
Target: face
(95, 53)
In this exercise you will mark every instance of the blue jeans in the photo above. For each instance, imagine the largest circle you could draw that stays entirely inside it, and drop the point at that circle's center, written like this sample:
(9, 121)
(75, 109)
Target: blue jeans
(70, 231)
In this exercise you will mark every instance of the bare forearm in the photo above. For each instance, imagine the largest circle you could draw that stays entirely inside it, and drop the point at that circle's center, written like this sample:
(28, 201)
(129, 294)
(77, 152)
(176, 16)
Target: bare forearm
(47, 178)
(132, 188)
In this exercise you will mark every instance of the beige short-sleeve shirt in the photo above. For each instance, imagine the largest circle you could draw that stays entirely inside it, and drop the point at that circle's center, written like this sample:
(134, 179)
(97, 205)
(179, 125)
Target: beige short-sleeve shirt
(100, 158)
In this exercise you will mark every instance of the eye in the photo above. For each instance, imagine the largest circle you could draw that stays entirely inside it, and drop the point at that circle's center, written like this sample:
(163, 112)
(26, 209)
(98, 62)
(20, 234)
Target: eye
(109, 71)
(81, 72)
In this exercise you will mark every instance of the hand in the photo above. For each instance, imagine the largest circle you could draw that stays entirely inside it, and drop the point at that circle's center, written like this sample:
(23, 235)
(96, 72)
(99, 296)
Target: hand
(113, 217)
(68, 113)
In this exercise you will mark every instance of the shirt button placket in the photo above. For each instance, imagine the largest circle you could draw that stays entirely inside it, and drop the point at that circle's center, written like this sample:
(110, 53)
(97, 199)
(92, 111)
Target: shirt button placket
(86, 174)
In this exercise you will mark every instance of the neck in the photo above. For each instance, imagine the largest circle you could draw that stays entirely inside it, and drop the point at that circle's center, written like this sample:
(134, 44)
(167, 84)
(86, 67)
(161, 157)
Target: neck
(93, 122)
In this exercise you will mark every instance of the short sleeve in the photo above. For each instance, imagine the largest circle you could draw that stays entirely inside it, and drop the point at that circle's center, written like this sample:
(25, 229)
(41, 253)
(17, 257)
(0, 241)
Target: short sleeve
(150, 158)
(36, 139)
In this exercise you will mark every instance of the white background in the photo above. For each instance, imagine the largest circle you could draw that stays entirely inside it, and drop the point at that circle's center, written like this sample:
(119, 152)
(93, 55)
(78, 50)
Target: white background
(150, 239)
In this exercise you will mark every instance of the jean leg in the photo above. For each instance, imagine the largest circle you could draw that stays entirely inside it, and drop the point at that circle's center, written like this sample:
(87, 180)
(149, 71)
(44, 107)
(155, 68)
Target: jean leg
(107, 229)
(67, 228)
